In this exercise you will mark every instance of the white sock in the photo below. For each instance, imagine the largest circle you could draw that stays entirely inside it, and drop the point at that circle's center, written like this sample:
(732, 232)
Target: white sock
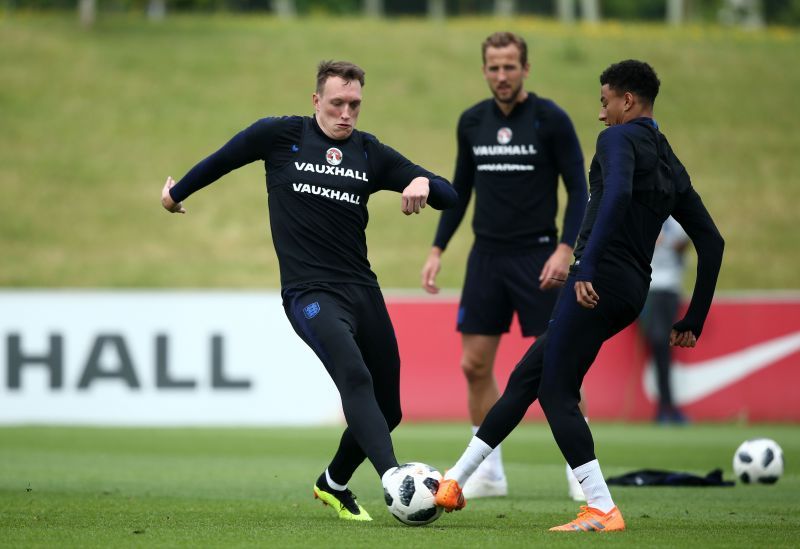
(473, 456)
(492, 467)
(332, 484)
(594, 486)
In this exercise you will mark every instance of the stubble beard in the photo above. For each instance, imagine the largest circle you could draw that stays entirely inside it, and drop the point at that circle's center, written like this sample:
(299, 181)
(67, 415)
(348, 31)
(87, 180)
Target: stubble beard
(512, 98)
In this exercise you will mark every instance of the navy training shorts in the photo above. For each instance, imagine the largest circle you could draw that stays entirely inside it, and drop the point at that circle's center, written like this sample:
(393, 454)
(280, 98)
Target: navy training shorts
(496, 285)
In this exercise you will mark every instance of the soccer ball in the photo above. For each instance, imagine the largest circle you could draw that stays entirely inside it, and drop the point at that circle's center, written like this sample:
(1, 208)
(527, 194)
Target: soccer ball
(410, 493)
(758, 460)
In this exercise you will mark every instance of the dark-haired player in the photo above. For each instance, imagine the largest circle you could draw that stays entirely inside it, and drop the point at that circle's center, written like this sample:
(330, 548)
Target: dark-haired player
(635, 183)
(321, 172)
(511, 150)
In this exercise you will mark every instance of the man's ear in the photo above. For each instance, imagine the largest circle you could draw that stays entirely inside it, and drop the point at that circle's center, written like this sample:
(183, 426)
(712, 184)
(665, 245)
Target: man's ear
(630, 100)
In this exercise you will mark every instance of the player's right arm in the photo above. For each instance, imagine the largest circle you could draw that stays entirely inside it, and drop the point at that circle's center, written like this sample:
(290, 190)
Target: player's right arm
(450, 219)
(615, 155)
(430, 269)
(166, 198)
(247, 146)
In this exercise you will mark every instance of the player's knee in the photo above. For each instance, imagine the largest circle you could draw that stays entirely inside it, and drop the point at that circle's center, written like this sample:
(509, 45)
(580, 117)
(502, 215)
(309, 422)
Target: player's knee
(355, 380)
(551, 396)
(475, 369)
(555, 399)
(545, 398)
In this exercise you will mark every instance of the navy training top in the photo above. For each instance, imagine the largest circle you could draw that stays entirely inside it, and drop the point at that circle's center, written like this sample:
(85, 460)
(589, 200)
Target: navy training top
(318, 190)
(635, 183)
(513, 163)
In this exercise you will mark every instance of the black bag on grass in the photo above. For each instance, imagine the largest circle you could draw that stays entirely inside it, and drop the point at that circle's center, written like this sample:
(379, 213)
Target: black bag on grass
(654, 477)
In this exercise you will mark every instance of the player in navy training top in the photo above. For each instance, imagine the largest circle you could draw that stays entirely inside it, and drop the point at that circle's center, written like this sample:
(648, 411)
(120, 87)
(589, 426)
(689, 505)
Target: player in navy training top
(511, 150)
(635, 183)
(321, 172)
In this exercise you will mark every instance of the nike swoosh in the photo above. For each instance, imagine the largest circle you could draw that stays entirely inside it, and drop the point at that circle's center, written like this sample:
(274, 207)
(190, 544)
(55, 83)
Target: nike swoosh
(692, 383)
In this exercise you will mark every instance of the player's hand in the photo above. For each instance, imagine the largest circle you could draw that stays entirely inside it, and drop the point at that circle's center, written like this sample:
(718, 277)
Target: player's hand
(554, 272)
(682, 339)
(166, 200)
(415, 196)
(585, 294)
(431, 268)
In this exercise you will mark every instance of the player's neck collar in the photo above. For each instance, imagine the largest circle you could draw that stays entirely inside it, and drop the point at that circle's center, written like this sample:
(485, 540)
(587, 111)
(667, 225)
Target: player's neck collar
(518, 106)
(321, 132)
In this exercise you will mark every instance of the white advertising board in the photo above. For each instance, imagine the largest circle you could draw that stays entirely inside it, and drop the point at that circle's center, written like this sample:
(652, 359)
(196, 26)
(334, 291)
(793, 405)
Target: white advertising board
(157, 358)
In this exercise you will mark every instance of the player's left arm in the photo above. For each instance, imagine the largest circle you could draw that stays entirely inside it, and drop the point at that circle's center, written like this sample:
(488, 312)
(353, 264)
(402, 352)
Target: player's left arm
(554, 272)
(418, 186)
(569, 159)
(415, 195)
(693, 216)
(570, 162)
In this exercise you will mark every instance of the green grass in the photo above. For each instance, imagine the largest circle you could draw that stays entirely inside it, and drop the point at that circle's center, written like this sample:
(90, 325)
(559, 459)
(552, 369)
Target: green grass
(104, 487)
(94, 121)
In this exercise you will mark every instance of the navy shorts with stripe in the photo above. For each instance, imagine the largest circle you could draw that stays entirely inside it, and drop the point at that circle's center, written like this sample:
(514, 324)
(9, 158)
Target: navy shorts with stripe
(497, 285)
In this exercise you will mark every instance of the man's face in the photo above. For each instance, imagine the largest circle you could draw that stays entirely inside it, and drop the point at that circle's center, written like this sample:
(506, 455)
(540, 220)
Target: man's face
(504, 73)
(338, 106)
(612, 106)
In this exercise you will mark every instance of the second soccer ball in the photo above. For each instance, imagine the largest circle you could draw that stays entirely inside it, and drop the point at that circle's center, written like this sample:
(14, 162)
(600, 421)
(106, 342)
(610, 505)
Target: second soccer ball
(758, 460)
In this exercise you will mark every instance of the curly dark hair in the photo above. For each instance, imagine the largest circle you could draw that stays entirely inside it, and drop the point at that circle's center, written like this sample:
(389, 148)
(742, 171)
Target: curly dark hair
(632, 76)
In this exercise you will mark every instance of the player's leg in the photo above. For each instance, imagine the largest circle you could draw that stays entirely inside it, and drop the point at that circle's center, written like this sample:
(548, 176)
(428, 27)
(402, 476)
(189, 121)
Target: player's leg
(477, 362)
(503, 417)
(534, 308)
(576, 335)
(478, 356)
(485, 313)
(376, 339)
(574, 489)
(565, 366)
(521, 391)
(326, 323)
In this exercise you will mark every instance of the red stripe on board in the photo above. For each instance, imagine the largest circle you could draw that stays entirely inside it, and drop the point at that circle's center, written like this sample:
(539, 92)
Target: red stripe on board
(433, 387)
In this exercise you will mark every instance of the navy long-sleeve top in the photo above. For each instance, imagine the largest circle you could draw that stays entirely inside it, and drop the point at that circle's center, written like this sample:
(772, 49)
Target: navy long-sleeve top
(318, 190)
(635, 183)
(513, 163)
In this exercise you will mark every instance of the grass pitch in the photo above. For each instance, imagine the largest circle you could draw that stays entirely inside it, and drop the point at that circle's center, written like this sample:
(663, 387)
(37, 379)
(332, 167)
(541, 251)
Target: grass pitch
(103, 487)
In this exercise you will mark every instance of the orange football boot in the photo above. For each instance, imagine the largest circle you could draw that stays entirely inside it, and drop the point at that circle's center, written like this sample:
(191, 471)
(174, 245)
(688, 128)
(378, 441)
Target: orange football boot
(449, 496)
(593, 520)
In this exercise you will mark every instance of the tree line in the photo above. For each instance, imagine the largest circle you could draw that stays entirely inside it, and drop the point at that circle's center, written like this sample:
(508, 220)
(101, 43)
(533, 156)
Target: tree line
(747, 13)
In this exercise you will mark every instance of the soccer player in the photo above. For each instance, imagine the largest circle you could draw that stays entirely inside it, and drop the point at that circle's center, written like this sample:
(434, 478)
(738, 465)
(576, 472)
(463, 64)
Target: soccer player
(511, 150)
(635, 183)
(320, 173)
